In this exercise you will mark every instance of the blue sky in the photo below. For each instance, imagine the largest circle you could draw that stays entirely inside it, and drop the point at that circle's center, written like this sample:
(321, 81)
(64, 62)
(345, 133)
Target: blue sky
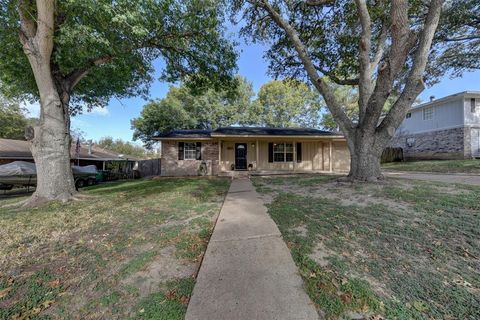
(114, 120)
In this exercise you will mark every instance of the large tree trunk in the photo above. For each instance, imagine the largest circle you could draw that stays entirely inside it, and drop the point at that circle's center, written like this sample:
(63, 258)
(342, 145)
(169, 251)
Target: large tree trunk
(51, 141)
(51, 152)
(365, 154)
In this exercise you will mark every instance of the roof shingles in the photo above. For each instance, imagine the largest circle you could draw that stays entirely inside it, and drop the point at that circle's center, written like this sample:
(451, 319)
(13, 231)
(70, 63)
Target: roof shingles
(245, 131)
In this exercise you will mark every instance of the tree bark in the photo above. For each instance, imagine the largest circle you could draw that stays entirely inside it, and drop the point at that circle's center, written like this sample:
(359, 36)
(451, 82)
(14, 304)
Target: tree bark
(368, 137)
(51, 142)
(365, 153)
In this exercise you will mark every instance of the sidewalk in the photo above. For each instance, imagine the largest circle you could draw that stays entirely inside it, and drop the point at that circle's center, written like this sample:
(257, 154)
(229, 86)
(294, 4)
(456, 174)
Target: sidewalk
(247, 272)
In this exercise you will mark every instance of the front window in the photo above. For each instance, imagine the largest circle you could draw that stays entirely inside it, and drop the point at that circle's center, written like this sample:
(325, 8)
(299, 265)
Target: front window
(190, 151)
(428, 113)
(282, 152)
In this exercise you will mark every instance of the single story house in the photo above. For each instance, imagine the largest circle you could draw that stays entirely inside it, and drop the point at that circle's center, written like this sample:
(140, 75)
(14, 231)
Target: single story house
(446, 128)
(257, 149)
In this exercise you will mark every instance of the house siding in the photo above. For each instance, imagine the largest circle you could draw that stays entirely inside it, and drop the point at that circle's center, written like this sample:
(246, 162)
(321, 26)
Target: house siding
(452, 133)
(171, 166)
(316, 156)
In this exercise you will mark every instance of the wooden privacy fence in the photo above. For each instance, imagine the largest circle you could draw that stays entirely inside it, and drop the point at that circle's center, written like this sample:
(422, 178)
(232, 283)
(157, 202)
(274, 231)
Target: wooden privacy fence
(149, 167)
(392, 155)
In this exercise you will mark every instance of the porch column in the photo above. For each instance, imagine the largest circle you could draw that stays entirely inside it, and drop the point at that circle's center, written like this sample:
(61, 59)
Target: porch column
(220, 168)
(330, 156)
(294, 155)
(256, 155)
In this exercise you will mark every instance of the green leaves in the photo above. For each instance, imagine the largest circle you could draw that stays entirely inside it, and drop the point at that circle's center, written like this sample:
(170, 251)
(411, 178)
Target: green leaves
(184, 109)
(186, 35)
(287, 104)
(12, 120)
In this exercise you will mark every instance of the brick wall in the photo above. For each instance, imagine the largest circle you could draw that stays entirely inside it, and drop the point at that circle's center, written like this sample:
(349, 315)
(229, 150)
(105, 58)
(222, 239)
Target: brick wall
(171, 166)
(442, 144)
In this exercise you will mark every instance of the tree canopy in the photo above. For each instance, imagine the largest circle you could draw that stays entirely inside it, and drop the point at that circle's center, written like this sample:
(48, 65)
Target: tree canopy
(123, 147)
(115, 43)
(278, 104)
(12, 120)
(286, 104)
(386, 48)
(80, 53)
(330, 30)
(184, 109)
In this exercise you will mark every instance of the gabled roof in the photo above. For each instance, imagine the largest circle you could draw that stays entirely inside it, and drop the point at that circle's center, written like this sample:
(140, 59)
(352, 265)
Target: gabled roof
(435, 102)
(245, 131)
(19, 149)
(264, 131)
(192, 133)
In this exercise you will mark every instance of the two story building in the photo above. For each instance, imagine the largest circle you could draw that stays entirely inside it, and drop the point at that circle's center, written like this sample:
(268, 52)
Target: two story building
(446, 128)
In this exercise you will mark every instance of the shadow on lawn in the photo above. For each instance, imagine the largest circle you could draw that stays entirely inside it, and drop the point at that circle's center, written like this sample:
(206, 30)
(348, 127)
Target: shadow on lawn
(411, 253)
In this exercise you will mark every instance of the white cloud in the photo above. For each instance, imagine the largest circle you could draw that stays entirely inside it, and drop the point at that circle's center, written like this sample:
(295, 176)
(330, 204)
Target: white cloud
(99, 111)
(33, 110)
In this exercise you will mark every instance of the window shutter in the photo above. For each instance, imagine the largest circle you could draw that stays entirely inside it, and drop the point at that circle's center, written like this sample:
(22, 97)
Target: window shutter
(299, 152)
(270, 152)
(180, 151)
(199, 151)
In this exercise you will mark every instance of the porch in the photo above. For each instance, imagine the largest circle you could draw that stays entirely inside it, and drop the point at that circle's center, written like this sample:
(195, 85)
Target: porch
(280, 155)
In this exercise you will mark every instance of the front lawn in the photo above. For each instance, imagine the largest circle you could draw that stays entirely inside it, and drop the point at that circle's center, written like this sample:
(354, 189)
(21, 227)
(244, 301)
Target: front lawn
(441, 166)
(130, 251)
(400, 250)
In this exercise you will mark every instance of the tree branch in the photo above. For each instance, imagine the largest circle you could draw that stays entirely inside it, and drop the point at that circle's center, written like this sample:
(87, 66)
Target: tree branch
(337, 80)
(75, 76)
(414, 84)
(365, 47)
(28, 28)
(319, 2)
(380, 47)
(461, 38)
(45, 25)
(335, 108)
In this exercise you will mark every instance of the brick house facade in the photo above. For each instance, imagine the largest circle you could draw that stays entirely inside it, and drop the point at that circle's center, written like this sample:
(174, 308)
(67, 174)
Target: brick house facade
(171, 165)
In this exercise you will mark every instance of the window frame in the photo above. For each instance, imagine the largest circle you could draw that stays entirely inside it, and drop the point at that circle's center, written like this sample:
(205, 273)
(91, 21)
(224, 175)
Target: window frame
(427, 113)
(283, 152)
(473, 105)
(190, 151)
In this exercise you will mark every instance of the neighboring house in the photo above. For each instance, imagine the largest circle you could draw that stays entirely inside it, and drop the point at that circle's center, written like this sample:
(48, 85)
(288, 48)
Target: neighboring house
(13, 150)
(446, 128)
(263, 150)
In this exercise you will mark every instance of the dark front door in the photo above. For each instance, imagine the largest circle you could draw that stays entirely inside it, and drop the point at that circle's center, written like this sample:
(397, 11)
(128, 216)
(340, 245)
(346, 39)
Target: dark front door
(240, 156)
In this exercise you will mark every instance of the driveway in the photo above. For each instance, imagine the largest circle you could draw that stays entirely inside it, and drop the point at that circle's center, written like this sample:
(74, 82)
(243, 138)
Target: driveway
(470, 179)
(247, 272)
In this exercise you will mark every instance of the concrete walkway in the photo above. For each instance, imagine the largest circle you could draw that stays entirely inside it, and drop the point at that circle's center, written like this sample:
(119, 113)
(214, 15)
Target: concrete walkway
(248, 272)
(470, 179)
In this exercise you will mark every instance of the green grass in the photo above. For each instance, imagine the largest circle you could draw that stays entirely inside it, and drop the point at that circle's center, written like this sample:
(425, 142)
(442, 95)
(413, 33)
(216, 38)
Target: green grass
(169, 304)
(411, 252)
(76, 260)
(443, 166)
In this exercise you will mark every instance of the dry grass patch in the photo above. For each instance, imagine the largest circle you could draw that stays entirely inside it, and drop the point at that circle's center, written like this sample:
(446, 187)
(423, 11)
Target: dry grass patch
(103, 258)
(399, 250)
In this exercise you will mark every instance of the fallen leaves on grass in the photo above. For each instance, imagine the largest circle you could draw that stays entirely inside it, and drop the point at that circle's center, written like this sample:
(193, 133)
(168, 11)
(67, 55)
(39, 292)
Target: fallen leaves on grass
(29, 314)
(5, 292)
